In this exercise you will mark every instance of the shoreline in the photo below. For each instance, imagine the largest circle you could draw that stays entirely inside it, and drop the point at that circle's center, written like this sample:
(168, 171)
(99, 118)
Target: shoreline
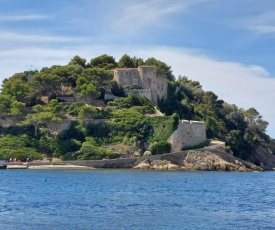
(206, 159)
(59, 167)
(47, 166)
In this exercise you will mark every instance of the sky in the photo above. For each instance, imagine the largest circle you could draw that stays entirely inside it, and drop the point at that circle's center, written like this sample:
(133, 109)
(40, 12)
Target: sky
(226, 45)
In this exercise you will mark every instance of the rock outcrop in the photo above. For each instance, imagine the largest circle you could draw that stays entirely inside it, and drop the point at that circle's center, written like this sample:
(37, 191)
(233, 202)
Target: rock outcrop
(204, 160)
(157, 165)
(264, 158)
(208, 161)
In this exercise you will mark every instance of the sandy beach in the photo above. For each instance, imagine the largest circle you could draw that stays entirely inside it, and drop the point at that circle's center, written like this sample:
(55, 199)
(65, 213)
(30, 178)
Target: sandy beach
(59, 167)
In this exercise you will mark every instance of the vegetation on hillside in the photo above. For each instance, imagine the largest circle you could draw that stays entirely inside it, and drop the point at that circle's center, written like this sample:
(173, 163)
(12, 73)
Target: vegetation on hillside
(30, 101)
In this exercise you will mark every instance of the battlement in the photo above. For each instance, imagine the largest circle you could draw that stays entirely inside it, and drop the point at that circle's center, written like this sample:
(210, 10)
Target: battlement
(136, 90)
(142, 92)
(191, 122)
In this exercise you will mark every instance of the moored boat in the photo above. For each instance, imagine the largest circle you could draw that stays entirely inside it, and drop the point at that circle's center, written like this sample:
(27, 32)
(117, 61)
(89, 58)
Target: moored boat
(3, 166)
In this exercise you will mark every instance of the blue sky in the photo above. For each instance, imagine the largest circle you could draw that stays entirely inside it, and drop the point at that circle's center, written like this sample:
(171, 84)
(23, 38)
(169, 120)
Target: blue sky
(227, 45)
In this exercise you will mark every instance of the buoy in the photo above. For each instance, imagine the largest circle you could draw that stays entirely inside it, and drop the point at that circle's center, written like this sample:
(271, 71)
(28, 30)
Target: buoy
(45, 179)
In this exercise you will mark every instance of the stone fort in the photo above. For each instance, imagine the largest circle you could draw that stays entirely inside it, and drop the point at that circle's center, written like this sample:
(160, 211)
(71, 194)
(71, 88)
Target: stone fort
(150, 84)
(188, 133)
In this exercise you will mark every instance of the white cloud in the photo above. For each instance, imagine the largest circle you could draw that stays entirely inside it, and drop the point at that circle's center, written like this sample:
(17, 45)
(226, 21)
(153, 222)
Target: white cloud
(261, 23)
(24, 17)
(263, 29)
(135, 16)
(19, 37)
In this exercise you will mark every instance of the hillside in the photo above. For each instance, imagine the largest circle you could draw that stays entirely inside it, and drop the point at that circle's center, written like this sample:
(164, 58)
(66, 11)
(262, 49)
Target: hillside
(60, 111)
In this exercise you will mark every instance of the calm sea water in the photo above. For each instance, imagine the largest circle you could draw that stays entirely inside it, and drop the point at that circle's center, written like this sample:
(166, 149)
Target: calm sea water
(125, 199)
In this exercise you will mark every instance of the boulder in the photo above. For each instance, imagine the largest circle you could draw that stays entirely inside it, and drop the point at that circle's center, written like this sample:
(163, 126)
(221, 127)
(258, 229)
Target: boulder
(143, 165)
(136, 154)
(172, 167)
(147, 153)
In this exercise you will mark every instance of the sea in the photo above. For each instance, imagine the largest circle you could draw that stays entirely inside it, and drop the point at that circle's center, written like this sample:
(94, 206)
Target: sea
(129, 199)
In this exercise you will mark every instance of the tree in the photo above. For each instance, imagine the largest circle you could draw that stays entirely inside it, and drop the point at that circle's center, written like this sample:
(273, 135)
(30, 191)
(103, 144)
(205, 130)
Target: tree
(67, 74)
(18, 111)
(5, 104)
(255, 120)
(49, 115)
(47, 84)
(261, 124)
(137, 62)
(251, 115)
(16, 88)
(103, 61)
(162, 68)
(76, 60)
(234, 117)
(86, 114)
(126, 62)
(87, 90)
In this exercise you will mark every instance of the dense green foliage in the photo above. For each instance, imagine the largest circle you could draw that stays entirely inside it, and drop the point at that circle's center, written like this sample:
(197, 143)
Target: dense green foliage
(30, 101)
(19, 147)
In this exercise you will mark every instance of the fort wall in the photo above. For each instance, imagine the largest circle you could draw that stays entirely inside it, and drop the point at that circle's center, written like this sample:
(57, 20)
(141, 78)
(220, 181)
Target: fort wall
(142, 92)
(188, 133)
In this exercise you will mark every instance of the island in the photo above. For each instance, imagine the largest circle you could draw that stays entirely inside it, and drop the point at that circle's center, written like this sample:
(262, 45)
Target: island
(133, 113)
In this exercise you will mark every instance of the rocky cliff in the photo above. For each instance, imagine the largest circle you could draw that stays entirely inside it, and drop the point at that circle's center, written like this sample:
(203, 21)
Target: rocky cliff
(204, 159)
(264, 158)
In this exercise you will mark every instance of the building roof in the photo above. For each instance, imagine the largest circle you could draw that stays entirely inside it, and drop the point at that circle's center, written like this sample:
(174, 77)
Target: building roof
(134, 69)
(126, 69)
(147, 66)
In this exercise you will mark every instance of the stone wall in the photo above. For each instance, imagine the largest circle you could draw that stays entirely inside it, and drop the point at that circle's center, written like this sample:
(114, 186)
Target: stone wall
(69, 99)
(63, 125)
(188, 133)
(142, 92)
(127, 76)
(161, 88)
(108, 96)
(7, 122)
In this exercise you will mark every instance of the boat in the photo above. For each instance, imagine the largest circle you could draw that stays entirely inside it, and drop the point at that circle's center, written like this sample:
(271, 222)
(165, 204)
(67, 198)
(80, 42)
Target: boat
(3, 166)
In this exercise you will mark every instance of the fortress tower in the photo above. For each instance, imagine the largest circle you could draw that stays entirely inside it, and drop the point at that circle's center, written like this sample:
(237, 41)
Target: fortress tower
(144, 77)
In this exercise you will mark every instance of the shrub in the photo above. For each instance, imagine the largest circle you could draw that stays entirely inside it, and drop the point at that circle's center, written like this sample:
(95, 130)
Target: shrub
(161, 128)
(20, 154)
(160, 147)
(89, 151)
(74, 108)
